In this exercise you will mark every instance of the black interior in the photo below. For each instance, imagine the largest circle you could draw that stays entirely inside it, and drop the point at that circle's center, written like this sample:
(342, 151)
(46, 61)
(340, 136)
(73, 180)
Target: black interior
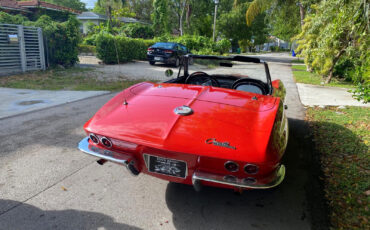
(224, 81)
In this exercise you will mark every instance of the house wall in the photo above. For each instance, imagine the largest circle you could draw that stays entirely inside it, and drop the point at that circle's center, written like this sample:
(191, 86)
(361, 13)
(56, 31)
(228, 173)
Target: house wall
(83, 27)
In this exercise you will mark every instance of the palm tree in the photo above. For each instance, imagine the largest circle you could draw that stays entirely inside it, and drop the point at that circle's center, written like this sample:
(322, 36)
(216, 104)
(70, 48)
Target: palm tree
(258, 6)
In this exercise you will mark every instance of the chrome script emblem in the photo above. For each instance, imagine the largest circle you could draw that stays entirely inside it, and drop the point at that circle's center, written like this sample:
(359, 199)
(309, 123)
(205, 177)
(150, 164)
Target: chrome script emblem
(221, 144)
(183, 110)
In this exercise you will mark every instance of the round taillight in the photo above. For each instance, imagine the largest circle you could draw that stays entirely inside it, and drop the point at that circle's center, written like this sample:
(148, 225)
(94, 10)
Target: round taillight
(230, 178)
(94, 138)
(231, 166)
(251, 168)
(249, 180)
(106, 142)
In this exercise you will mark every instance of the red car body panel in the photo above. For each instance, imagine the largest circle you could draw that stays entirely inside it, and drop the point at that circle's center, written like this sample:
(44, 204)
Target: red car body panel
(141, 120)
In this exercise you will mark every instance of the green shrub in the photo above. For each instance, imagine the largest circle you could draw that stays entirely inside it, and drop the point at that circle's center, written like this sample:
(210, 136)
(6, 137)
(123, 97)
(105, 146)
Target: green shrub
(119, 49)
(223, 46)
(90, 40)
(86, 49)
(62, 39)
(12, 19)
(136, 30)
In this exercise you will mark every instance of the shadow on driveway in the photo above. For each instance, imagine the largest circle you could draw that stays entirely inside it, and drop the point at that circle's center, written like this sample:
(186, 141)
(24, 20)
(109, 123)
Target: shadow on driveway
(284, 207)
(29, 217)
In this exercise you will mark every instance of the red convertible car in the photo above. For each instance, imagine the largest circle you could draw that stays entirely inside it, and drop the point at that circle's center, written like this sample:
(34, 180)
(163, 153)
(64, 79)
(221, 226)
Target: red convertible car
(224, 128)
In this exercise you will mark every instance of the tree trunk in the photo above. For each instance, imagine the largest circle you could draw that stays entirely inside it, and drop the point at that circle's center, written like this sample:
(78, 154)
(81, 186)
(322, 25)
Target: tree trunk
(302, 13)
(188, 13)
(182, 16)
(336, 58)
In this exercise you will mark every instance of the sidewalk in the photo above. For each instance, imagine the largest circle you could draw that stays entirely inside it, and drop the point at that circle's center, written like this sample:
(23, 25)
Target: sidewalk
(312, 95)
(18, 101)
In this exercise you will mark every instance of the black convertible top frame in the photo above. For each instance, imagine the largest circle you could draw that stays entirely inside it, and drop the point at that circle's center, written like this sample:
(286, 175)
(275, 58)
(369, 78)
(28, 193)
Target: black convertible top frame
(227, 58)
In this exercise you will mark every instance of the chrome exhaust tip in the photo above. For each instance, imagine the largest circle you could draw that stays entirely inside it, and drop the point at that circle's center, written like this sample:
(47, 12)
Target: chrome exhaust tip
(131, 168)
(101, 161)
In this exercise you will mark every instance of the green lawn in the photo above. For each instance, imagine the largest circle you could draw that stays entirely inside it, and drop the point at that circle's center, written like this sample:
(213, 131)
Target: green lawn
(64, 79)
(302, 76)
(342, 138)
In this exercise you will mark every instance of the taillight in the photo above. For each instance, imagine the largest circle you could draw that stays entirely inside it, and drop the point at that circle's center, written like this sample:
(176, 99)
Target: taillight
(168, 51)
(106, 142)
(251, 168)
(231, 166)
(150, 49)
(94, 138)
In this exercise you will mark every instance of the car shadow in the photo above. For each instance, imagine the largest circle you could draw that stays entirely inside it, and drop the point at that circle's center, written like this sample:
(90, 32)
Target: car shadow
(25, 216)
(284, 207)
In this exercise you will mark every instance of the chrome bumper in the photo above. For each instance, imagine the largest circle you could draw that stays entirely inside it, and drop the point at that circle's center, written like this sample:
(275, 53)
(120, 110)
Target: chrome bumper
(108, 155)
(198, 177)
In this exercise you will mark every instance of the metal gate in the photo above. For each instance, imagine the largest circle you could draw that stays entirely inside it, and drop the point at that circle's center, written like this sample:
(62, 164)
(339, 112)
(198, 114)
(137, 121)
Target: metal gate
(21, 49)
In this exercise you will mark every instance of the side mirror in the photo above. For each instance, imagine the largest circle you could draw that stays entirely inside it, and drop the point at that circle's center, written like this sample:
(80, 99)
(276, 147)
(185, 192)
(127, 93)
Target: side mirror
(168, 72)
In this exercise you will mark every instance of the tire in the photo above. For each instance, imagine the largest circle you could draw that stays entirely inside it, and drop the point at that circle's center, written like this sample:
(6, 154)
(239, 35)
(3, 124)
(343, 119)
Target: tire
(151, 62)
(177, 63)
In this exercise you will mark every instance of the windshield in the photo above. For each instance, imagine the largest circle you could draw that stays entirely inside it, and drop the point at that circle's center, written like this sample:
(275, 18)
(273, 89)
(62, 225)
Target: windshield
(163, 45)
(227, 68)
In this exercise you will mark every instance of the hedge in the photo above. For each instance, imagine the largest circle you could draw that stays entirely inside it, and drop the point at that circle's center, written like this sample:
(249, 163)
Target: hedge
(86, 49)
(113, 49)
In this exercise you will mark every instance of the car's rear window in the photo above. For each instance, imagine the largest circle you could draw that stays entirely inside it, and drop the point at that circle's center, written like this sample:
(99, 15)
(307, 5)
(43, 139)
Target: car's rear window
(163, 45)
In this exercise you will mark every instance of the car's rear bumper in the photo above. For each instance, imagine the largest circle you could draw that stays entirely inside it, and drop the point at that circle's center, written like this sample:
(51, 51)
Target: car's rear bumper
(197, 178)
(107, 155)
(162, 58)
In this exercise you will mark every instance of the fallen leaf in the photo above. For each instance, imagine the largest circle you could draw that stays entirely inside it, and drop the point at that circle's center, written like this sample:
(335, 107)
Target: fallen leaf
(64, 189)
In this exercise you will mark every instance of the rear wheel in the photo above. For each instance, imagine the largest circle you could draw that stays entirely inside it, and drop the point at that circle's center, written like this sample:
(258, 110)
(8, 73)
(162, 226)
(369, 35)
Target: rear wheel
(152, 62)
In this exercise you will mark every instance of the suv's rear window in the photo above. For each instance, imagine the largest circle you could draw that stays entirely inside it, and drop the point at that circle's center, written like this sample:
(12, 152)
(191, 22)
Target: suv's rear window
(163, 45)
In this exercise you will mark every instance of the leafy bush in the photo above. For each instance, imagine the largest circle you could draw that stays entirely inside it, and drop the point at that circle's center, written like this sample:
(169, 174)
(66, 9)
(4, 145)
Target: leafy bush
(136, 30)
(118, 49)
(86, 49)
(62, 39)
(223, 46)
(12, 19)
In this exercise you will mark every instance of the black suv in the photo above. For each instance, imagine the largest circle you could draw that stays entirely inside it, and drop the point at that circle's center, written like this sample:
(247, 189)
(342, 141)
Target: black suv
(166, 52)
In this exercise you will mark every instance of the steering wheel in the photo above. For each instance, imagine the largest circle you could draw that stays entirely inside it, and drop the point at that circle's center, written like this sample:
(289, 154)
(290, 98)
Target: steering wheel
(201, 78)
(249, 85)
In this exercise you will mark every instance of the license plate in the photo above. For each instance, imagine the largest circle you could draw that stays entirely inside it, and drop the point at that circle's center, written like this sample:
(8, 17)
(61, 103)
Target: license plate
(157, 58)
(166, 166)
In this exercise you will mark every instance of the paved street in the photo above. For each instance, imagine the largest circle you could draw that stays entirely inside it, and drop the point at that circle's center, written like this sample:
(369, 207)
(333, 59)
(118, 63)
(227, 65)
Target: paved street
(46, 183)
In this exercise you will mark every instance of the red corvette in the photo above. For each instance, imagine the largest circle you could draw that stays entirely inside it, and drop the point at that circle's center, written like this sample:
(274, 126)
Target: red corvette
(224, 128)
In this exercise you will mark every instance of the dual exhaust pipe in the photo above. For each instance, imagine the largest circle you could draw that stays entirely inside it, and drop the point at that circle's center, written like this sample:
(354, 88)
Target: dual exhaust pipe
(129, 165)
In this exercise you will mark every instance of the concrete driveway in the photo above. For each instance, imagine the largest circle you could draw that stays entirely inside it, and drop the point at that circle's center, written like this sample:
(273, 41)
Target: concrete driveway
(46, 183)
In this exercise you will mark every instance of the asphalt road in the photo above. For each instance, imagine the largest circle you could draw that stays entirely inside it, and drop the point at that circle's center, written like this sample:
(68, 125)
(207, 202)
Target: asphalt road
(46, 183)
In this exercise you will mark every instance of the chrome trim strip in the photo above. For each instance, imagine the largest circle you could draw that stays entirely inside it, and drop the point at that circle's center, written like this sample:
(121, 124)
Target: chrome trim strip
(84, 147)
(203, 176)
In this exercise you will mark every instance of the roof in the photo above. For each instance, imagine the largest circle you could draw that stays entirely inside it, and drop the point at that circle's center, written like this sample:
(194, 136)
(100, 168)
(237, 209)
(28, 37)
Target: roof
(45, 5)
(89, 15)
(11, 5)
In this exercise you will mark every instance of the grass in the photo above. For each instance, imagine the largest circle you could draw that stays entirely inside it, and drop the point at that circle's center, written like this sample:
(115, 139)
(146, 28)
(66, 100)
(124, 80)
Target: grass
(64, 79)
(302, 76)
(342, 138)
(298, 61)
